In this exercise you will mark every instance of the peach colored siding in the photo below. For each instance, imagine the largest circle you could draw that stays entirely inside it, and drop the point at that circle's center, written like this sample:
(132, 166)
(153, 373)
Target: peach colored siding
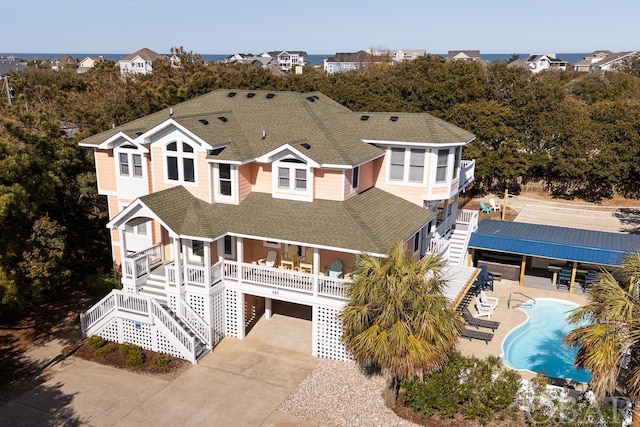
(244, 178)
(105, 170)
(328, 184)
(414, 194)
(328, 256)
(261, 177)
(114, 207)
(202, 190)
(367, 175)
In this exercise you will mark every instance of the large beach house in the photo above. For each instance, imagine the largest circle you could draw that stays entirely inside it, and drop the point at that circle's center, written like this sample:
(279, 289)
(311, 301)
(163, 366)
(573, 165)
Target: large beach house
(224, 203)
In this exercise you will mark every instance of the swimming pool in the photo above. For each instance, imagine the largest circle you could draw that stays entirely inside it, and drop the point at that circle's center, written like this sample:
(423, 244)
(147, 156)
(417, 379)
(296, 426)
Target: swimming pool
(536, 345)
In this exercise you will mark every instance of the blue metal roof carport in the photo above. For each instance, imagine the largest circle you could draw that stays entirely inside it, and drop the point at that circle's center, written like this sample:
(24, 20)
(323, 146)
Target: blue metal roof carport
(560, 243)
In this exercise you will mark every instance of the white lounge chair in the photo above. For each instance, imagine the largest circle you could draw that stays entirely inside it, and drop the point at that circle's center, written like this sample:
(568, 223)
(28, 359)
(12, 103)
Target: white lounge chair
(490, 301)
(483, 309)
(270, 260)
(494, 206)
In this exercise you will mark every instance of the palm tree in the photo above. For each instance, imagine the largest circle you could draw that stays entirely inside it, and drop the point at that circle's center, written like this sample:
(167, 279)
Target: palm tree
(609, 345)
(397, 317)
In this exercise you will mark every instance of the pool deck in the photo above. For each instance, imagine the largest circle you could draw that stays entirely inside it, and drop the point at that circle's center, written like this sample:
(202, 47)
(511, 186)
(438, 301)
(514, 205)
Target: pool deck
(509, 318)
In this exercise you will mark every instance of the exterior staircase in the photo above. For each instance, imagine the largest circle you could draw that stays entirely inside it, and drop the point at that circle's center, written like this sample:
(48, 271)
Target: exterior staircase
(201, 346)
(155, 288)
(458, 246)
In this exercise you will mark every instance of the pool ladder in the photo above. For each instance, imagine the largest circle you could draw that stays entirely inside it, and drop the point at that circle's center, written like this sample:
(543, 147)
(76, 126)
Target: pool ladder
(521, 302)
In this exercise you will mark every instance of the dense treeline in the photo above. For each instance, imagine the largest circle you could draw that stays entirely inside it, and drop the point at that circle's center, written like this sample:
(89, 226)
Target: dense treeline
(577, 133)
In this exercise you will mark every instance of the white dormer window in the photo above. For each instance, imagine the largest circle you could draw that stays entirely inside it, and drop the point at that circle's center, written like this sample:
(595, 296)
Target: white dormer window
(180, 162)
(292, 179)
(129, 162)
(225, 177)
(442, 166)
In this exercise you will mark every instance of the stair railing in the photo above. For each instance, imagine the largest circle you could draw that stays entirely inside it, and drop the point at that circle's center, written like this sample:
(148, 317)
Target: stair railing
(519, 293)
(176, 333)
(195, 322)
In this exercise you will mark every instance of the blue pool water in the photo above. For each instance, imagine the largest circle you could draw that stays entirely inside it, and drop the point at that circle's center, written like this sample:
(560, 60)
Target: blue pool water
(537, 346)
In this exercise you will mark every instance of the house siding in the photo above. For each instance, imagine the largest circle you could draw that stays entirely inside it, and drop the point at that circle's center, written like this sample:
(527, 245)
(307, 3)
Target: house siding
(327, 184)
(105, 171)
(244, 181)
(261, 178)
(412, 193)
(202, 188)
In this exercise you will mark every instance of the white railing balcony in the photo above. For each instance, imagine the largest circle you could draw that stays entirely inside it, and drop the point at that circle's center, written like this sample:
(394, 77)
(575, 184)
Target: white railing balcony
(137, 266)
(287, 279)
(468, 217)
(467, 173)
(443, 228)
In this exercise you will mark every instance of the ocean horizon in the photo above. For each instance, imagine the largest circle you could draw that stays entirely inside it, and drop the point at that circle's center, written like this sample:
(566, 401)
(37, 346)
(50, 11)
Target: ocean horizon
(314, 59)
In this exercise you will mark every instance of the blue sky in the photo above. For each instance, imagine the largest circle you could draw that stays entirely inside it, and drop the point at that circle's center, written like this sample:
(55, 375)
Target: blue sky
(318, 27)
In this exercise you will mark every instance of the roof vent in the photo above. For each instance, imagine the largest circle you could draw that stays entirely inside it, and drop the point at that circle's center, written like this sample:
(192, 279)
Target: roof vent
(306, 145)
(270, 95)
(393, 118)
(231, 94)
(264, 134)
(364, 118)
(204, 121)
(251, 95)
(223, 119)
(215, 151)
(139, 133)
(311, 98)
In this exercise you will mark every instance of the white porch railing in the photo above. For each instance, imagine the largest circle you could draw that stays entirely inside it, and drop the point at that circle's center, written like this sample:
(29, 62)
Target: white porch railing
(138, 266)
(469, 217)
(196, 323)
(174, 331)
(287, 279)
(439, 246)
(467, 173)
(443, 228)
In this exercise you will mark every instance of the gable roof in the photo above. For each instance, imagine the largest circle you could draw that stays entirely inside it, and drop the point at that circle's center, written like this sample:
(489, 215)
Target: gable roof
(560, 243)
(357, 224)
(144, 53)
(460, 54)
(234, 121)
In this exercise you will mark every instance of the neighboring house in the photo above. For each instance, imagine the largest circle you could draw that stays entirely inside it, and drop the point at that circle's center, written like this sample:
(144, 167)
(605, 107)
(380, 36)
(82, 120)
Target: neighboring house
(350, 61)
(239, 57)
(10, 63)
(585, 63)
(540, 62)
(288, 60)
(65, 61)
(255, 60)
(464, 55)
(139, 63)
(88, 63)
(613, 61)
(398, 55)
(223, 203)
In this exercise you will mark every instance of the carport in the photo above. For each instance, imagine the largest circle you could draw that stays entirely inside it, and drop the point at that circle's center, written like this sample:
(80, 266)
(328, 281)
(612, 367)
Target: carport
(512, 248)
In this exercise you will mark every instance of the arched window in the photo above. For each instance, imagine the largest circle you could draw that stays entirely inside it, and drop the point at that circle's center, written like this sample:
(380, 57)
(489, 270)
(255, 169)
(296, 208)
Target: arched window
(181, 162)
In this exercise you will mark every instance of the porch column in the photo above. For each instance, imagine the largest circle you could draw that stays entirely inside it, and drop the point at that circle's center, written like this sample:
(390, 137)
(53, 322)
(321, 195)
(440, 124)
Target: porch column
(522, 268)
(239, 258)
(174, 293)
(316, 270)
(206, 254)
(177, 261)
(240, 314)
(128, 285)
(267, 308)
(573, 276)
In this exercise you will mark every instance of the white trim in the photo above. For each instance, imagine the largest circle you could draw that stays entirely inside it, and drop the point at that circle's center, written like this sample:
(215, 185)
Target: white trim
(235, 187)
(269, 157)
(148, 134)
(291, 193)
(137, 208)
(180, 155)
(419, 144)
(406, 169)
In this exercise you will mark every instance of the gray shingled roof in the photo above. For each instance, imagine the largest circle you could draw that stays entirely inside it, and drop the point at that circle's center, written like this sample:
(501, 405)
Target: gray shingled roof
(334, 133)
(370, 221)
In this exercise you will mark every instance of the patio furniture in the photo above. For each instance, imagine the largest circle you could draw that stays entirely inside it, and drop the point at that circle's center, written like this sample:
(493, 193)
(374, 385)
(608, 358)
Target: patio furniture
(335, 269)
(483, 309)
(564, 277)
(591, 278)
(306, 263)
(485, 278)
(490, 301)
(477, 335)
(478, 323)
(494, 206)
(290, 257)
(484, 208)
(270, 260)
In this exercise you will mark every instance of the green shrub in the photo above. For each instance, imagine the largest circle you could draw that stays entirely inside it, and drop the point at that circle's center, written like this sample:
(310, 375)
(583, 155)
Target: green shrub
(160, 360)
(106, 349)
(476, 388)
(133, 353)
(96, 341)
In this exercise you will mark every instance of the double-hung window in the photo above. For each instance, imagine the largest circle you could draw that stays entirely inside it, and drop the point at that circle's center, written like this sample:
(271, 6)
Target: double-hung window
(180, 162)
(224, 179)
(292, 175)
(441, 167)
(407, 165)
(130, 164)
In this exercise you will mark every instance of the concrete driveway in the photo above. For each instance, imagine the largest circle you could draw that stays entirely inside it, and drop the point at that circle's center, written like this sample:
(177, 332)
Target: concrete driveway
(241, 383)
